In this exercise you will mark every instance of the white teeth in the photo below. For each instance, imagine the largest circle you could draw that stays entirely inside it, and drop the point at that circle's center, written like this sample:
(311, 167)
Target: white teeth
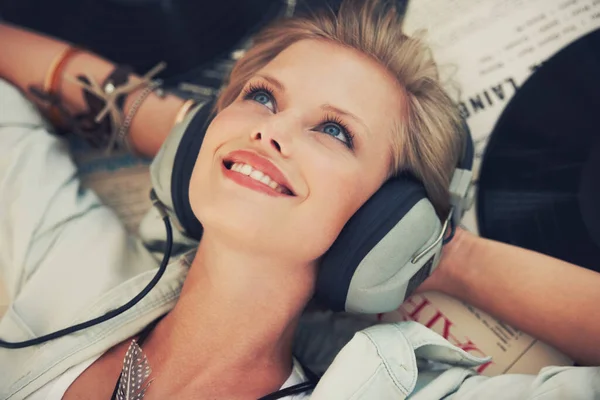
(257, 175)
(246, 169)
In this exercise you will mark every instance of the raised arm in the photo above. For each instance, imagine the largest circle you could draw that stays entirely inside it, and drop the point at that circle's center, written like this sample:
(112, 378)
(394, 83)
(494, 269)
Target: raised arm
(552, 300)
(27, 57)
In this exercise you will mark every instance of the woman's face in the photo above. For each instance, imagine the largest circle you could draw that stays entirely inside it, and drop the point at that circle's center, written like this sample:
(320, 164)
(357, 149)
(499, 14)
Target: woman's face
(317, 121)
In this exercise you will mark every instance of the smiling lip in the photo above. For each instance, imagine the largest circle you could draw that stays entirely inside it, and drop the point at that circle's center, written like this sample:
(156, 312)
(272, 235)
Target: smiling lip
(259, 163)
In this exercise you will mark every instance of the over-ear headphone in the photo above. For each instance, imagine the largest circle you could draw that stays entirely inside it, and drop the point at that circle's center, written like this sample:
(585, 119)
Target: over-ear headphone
(388, 247)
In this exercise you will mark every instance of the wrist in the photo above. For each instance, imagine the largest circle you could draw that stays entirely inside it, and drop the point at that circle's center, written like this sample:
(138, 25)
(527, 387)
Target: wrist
(457, 264)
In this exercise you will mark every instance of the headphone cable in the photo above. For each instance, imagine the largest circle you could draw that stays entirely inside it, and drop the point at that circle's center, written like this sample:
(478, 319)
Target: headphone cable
(113, 313)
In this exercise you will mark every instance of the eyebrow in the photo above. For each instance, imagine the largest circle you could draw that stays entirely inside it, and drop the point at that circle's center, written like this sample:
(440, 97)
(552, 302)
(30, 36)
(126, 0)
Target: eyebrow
(324, 107)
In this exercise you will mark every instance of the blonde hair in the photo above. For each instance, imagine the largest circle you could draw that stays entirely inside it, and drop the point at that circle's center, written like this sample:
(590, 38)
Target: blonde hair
(429, 141)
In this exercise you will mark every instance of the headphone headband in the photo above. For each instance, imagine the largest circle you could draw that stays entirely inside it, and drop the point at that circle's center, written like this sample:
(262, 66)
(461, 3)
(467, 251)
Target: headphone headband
(461, 180)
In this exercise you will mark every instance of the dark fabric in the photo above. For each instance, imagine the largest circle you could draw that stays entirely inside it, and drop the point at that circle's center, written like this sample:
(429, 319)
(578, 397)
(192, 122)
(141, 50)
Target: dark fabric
(184, 33)
(538, 185)
(190, 35)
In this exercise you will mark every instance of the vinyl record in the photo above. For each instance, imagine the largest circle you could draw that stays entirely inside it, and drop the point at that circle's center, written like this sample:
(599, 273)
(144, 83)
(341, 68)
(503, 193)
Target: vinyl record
(539, 185)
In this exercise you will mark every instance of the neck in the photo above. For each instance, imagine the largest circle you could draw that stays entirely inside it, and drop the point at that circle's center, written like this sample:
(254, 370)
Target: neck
(236, 312)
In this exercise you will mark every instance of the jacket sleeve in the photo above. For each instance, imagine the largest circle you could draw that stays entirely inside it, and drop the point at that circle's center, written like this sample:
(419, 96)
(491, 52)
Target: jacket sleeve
(407, 360)
(39, 190)
(552, 383)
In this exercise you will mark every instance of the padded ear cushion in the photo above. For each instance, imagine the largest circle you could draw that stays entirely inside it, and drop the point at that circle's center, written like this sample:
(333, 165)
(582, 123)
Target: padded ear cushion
(367, 227)
(185, 159)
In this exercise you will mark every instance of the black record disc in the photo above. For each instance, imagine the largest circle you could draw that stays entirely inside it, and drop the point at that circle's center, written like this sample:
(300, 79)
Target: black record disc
(539, 185)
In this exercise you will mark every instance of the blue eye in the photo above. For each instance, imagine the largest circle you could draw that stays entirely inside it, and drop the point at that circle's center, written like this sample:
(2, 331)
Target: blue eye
(333, 130)
(261, 97)
(260, 94)
(334, 127)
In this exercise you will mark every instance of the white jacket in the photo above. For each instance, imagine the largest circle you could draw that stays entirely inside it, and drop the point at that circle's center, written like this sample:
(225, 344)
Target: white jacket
(66, 258)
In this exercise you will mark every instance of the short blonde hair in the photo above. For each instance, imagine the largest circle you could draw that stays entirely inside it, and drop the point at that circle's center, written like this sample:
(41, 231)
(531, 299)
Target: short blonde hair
(429, 141)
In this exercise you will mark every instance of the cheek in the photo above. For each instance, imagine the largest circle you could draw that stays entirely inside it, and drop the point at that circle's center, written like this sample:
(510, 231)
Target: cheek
(234, 121)
(336, 194)
(231, 124)
(221, 129)
(342, 184)
(227, 124)
(199, 187)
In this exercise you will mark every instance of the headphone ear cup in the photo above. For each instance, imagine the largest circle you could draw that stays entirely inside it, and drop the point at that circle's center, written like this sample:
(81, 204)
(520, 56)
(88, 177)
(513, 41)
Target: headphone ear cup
(368, 269)
(183, 166)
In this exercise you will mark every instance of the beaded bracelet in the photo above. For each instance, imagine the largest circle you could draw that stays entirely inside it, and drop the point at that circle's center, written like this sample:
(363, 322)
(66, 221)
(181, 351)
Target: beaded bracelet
(121, 136)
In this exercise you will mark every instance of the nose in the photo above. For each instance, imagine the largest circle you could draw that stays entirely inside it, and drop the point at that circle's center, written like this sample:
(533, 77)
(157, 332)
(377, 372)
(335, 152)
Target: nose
(267, 141)
(275, 135)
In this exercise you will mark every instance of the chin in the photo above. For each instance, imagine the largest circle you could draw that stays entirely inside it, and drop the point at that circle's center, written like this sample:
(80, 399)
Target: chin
(241, 226)
(248, 223)
(267, 237)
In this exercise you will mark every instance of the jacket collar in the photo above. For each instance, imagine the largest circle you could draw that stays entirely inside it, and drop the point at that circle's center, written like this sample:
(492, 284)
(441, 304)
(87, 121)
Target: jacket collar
(51, 359)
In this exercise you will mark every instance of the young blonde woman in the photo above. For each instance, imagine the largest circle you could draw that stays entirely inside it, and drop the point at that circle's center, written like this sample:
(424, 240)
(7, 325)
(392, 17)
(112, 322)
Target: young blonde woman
(328, 108)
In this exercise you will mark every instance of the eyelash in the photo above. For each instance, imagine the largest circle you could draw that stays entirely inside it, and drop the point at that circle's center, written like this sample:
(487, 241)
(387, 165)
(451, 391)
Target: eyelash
(254, 88)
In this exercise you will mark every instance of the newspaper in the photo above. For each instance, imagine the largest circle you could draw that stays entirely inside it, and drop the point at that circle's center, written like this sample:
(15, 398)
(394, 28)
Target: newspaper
(486, 50)
(478, 333)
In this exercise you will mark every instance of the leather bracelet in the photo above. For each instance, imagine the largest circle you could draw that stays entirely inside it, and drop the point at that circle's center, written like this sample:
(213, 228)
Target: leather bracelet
(103, 123)
(54, 78)
(119, 76)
